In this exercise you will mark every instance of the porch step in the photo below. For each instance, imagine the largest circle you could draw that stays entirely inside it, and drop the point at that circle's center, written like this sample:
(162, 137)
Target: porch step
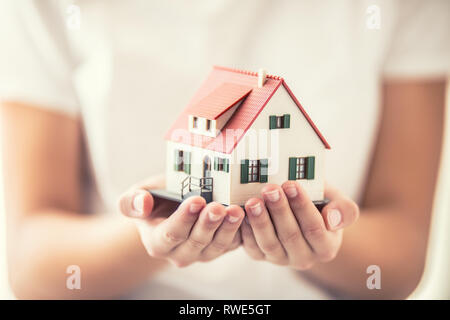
(191, 193)
(207, 195)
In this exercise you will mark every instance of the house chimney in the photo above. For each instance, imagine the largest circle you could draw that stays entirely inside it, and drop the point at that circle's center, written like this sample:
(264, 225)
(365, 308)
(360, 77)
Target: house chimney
(261, 77)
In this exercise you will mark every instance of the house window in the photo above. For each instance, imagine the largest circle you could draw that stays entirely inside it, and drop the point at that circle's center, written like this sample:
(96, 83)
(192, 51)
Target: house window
(208, 125)
(195, 122)
(254, 170)
(301, 168)
(221, 164)
(182, 161)
(254, 167)
(280, 122)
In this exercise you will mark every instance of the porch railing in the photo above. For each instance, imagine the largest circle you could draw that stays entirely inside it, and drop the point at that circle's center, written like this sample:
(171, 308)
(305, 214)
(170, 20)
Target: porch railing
(193, 184)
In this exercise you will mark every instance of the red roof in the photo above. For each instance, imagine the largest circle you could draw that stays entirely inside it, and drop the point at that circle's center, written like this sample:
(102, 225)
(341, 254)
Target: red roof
(242, 119)
(220, 100)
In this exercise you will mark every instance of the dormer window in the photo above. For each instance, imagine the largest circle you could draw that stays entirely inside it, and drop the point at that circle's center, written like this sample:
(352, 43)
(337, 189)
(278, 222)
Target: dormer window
(209, 115)
(203, 126)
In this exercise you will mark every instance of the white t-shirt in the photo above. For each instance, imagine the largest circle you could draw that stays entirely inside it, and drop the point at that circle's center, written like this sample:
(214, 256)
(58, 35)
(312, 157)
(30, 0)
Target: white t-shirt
(129, 67)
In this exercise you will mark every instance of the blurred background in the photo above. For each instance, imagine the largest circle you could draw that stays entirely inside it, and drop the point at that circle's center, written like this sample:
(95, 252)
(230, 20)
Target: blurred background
(5, 291)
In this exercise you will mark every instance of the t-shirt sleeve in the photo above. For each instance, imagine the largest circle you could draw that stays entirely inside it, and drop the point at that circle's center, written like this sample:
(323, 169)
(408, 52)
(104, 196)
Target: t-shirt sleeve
(36, 64)
(420, 44)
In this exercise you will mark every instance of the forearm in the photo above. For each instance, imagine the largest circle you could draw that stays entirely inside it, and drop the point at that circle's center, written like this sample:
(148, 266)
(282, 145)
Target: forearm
(380, 237)
(107, 250)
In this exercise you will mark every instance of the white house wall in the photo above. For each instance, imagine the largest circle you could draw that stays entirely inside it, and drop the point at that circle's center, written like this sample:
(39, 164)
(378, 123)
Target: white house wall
(221, 180)
(277, 145)
(223, 119)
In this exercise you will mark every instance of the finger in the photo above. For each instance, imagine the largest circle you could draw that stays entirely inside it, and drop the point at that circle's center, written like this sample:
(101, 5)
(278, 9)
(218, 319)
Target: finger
(176, 228)
(286, 225)
(225, 233)
(310, 221)
(340, 213)
(249, 242)
(201, 235)
(136, 203)
(237, 241)
(264, 231)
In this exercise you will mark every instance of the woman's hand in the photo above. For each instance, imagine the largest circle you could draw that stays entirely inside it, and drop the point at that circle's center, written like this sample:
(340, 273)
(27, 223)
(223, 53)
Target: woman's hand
(184, 234)
(287, 229)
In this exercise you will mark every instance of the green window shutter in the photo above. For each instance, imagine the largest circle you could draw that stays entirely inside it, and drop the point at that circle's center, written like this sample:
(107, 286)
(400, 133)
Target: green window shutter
(292, 168)
(310, 164)
(187, 162)
(226, 165)
(175, 160)
(287, 121)
(244, 171)
(272, 122)
(216, 163)
(264, 164)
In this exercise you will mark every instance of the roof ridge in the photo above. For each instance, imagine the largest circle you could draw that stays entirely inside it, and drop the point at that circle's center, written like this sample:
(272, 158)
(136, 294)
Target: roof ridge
(247, 72)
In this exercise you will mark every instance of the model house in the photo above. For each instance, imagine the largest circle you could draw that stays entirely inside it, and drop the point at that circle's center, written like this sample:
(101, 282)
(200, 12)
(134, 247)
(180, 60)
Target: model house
(241, 131)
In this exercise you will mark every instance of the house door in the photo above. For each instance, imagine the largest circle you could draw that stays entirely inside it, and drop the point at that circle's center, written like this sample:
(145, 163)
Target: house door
(206, 167)
(207, 183)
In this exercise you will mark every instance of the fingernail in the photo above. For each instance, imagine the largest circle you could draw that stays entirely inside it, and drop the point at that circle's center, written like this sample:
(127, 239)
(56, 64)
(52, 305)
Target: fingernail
(138, 203)
(232, 219)
(256, 209)
(334, 218)
(195, 208)
(273, 195)
(213, 216)
(291, 191)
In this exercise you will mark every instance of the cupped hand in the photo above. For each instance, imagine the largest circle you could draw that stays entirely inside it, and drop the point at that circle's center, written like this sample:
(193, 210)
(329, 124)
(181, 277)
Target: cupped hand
(182, 234)
(286, 228)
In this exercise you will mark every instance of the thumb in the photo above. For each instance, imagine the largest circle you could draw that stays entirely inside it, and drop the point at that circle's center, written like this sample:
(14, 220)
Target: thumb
(340, 213)
(136, 204)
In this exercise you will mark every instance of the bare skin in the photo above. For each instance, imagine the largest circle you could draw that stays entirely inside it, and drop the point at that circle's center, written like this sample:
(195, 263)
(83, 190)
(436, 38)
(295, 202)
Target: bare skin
(43, 184)
(285, 228)
(194, 231)
(393, 228)
(46, 228)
